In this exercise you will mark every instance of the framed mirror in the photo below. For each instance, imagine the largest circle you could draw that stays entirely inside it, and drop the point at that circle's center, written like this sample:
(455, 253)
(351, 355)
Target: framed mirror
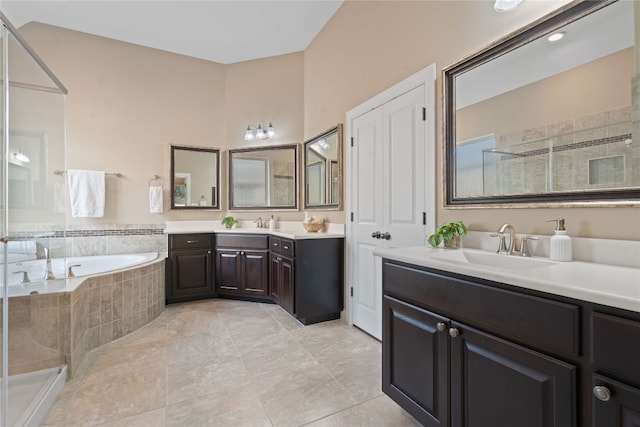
(195, 178)
(531, 121)
(323, 170)
(264, 178)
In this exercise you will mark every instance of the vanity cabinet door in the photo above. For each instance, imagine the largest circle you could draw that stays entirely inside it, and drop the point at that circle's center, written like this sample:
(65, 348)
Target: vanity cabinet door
(498, 383)
(415, 361)
(256, 273)
(190, 273)
(614, 403)
(229, 271)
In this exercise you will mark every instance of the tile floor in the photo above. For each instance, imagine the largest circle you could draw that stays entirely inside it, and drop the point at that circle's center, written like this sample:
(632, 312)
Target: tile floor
(231, 363)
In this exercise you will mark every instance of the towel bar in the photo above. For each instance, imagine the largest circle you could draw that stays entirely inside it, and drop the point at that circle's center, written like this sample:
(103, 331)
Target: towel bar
(116, 174)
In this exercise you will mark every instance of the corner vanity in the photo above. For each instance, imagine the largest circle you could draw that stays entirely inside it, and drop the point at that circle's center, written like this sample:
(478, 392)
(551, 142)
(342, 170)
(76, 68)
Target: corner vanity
(471, 338)
(300, 271)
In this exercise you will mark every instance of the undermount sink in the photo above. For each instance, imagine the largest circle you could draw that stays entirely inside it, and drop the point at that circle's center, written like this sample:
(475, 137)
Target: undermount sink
(486, 259)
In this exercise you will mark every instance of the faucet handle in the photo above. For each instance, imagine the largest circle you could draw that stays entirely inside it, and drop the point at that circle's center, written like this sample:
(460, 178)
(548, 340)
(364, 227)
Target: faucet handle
(524, 250)
(25, 276)
(502, 245)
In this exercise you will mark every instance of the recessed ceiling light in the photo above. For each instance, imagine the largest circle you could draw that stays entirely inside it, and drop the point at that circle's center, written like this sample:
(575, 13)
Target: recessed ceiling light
(506, 5)
(555, 37)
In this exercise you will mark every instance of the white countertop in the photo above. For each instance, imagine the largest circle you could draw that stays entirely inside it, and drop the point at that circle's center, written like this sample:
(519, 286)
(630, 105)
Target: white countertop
(598, 283)
(288, 230)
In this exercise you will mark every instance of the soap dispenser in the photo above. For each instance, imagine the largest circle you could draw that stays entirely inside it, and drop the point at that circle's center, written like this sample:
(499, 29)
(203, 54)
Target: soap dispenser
(560, 243)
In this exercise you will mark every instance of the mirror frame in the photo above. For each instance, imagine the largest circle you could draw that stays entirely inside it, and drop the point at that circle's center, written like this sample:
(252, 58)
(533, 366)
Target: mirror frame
(539, 28)
(296, 177)
(215, 206)
(327, 206)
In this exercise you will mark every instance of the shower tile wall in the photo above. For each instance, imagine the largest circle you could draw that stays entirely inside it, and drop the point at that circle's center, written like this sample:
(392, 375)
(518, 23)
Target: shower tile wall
(566, 167)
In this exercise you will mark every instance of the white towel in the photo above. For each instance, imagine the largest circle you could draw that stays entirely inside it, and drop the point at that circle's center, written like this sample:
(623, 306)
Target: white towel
(155, 199)
(86, 193)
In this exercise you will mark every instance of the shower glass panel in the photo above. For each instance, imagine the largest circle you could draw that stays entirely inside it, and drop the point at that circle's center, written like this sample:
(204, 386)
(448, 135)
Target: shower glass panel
(33, 221)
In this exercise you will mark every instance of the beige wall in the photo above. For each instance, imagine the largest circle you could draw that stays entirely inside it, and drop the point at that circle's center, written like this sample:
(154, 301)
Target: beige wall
(126, 103)
(369, 46)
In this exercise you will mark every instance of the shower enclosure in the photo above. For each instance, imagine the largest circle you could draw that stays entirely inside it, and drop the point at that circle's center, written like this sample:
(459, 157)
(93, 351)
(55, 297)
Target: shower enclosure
(32, 227)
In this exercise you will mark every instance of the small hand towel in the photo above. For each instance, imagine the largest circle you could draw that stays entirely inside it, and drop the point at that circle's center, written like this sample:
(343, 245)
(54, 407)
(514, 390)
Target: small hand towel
(155, 199)
(86, 193)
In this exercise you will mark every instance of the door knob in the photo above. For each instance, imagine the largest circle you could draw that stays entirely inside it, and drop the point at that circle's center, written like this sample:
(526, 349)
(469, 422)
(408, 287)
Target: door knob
(385, 236)
(375, 234)
(441, 326)
(602, 393)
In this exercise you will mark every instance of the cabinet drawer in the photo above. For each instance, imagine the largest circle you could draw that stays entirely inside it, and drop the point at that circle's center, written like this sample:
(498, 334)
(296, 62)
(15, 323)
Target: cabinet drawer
(275, 244)
(191, 241)
(527, 319)
(242, 241)
(287, 248)
(615, 346)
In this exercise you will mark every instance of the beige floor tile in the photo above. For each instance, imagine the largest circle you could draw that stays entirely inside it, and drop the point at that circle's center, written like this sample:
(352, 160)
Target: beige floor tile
(231, 363)
(378, 412)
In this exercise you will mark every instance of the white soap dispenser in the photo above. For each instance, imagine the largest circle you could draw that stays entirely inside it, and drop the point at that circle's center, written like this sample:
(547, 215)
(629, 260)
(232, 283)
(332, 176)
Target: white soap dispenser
(560, 243)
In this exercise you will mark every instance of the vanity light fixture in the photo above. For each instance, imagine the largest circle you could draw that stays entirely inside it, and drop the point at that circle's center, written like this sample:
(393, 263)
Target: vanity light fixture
(21, 157)
(556, 36)
(506, 5)
(260, 133)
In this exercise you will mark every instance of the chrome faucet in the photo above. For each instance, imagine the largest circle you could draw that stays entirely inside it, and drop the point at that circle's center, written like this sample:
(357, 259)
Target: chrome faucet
(259, 222)
(502, 247)
(48, 275)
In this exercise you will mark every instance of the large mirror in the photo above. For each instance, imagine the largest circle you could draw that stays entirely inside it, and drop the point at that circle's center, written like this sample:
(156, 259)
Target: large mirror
(195, 178)
(323, 170)
(264, 178)
(26, 169)
(530, 120)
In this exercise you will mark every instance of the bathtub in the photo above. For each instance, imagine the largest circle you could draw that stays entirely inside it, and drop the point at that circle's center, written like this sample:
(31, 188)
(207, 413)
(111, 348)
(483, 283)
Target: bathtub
(84, 267)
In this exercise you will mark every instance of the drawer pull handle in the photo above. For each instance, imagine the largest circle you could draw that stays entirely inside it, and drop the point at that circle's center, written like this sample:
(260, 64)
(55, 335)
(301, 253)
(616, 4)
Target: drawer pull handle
(286, 247)
(602, 393)
(192, 241)
(275, 244)
(441, 326)
(454, 332)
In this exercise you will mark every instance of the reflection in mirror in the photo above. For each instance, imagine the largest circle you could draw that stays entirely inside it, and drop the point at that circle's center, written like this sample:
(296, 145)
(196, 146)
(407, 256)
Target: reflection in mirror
(26, 169)
(322, 173)
(263, 178)
(195, 178)
(529, 120)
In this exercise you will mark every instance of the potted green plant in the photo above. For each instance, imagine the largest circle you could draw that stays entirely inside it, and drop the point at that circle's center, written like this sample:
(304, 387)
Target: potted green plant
(448, 232)
(229, 221)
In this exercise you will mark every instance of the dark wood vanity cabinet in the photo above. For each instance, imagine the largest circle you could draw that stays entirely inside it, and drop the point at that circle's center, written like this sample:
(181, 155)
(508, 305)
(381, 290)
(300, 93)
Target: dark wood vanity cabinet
(242, 266)
(307, 277)
(189, 269)
(615, 382)
(460, 351)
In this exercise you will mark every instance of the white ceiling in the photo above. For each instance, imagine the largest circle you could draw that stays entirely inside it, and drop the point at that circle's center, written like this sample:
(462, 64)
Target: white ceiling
(215, 30)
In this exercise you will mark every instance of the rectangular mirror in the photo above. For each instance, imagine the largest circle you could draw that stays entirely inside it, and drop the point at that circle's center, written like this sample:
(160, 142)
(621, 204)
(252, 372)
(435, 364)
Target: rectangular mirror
(323, 170)
(529, 120)
(26, 172)
(264, 178)
(195, 178)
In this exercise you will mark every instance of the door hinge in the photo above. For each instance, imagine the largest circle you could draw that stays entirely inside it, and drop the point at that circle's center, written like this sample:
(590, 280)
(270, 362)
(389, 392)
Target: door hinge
(352, 141)
(424, 114)
(351, 290)
(351, 216)
(424, 218)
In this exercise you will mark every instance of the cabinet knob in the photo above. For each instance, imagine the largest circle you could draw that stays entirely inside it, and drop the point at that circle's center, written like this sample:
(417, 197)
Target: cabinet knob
(602, 393)
(209, 252)
(454, 332)
(441, 326)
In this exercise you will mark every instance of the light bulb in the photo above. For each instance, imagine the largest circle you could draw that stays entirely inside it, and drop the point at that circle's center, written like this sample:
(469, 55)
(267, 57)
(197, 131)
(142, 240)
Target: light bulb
(260, 133)
(555, 37)
(248, 135)
(271, 131)
(506, 5)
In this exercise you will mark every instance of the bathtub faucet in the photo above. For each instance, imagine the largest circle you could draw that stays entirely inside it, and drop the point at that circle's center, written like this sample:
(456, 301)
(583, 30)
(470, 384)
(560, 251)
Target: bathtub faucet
(49, 273)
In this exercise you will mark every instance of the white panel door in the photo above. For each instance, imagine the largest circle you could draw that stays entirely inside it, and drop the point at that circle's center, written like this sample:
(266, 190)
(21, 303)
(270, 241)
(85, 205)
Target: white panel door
(368, 199)
(387, 194)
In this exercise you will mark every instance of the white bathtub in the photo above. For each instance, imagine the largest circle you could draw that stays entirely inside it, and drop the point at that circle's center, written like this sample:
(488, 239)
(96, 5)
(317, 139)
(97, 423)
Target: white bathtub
(85, 266)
